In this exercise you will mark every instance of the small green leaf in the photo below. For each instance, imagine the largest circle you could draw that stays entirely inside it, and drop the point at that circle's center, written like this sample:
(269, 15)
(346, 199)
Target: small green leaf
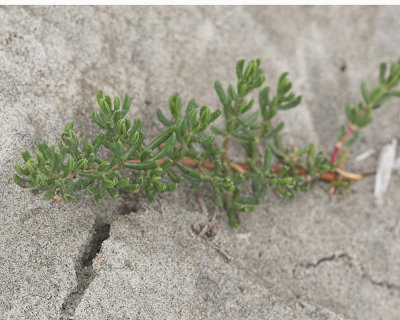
(253, 117)
(126, 105)
(246, 106)
(117, 103)
(145, 154)
(58, 160)
(166, 164)
(231, 93)
(267, 160)
(273, 133)
(233, 222)
(149, 195)
(217, 196)
(105, 107)
(98, 142)
(221, 94)
(205, 116)
(162, 118)
(24, 172)
(85, 144)
(70, 166)
(82, 164)
(116, 117)
(350, 141)
(342, 131)
(164, 136)
(121, 128)
(319, 159)
(291, 104)
(99, 96)
(364, 92)
(171, 186)
(137, 141)
(141, 165)
(164, 151)
(247, 200)
(243, 136)
(191, 118)
(69, 126)
(26, 155)
(122, 183)
(108, 183)
(159, 186)
(50, 193)
(283, 192)
(350, 114)
(190, 172)
(310, 155)
(112, 192)
(214, 115)
(132, 187)
(97, 120)
(174, 177)
(116, 156)
(108, 100)
(192, 105)
(40, 158)
(375, 94)
(239, 69)
(276, 151)
(137, 125)
(263, 98)
(395, 93)
(382, 72)
(19, 181)
(175, 106)
(218, 131)
(366, 119)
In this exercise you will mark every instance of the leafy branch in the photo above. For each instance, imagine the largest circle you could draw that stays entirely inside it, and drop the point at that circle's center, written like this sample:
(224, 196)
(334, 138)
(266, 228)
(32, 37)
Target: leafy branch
(187, 151)
(359, 115)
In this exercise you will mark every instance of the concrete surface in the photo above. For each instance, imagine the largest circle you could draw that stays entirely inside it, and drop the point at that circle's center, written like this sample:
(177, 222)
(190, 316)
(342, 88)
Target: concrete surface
(317, 257)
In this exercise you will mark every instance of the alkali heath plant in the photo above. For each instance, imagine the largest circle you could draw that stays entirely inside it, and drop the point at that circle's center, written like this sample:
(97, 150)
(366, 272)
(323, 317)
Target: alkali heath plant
(186, 150)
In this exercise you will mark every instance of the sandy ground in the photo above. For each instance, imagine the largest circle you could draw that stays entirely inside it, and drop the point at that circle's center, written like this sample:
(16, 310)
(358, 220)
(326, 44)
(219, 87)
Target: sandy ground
(316, 257)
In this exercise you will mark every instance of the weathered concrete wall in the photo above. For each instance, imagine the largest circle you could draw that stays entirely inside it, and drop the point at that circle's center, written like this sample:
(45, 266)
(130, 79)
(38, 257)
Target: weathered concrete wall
(318, 257)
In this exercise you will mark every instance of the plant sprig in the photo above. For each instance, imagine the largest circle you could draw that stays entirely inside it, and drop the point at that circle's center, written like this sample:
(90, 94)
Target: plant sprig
(186, 150)
(360, 115)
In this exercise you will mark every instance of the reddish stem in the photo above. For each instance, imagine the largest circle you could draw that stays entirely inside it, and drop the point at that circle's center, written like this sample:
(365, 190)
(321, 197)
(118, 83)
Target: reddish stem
(339, 144)
(226, 145)
(329, 176)
(241, 168)
(350, 130)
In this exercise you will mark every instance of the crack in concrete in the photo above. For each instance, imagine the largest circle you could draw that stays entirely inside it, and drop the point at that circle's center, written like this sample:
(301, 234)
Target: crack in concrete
(363, 274)
(332, 257)
(383, 283)
(84, 269)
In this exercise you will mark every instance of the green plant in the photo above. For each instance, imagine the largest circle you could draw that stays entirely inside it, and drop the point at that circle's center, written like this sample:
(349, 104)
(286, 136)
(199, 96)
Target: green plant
(186, 151)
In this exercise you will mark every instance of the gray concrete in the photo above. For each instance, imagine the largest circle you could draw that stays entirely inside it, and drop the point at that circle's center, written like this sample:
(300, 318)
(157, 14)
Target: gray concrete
(317, 257)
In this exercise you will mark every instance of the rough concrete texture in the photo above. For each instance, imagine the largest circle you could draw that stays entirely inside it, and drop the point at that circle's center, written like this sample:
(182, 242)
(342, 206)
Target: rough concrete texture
(317, 257)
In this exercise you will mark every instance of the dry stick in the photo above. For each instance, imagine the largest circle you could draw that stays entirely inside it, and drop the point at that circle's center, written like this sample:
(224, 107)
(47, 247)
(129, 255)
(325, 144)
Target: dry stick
(201, 202)
(228, 258)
